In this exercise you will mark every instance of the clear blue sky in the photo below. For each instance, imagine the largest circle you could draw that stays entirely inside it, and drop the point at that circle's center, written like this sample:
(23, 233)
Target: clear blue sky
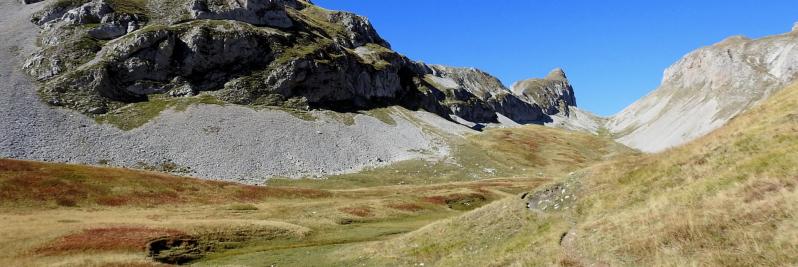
(613, 51)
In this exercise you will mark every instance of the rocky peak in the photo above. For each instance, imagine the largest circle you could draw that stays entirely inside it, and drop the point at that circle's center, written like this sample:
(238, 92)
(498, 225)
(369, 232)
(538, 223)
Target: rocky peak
(557, 74)
(358, 30)
(478, 97)
(795, 27)
(473, 80)
(554, 94)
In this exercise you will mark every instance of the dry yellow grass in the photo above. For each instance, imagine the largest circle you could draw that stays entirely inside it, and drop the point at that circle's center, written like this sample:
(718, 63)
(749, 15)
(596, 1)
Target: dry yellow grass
(38, 230)
(50, 212)
(728, 199)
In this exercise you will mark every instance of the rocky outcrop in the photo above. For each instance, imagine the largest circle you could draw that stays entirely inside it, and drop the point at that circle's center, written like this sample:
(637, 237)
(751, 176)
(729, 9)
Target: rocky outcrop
(270, 53)
(159, 60)
(706, 88)
(115, 25)
(72, 32)
(270, 13)
(554, 94)
(476, 96)
(358, 31)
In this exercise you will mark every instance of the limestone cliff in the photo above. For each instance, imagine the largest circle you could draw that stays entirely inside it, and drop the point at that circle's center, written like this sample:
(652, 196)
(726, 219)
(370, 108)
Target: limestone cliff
(476, 96)
(554, 93)
(706, 88)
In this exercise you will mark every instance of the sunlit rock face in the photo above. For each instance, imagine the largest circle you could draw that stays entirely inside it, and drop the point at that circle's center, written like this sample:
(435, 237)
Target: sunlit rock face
(706, 88)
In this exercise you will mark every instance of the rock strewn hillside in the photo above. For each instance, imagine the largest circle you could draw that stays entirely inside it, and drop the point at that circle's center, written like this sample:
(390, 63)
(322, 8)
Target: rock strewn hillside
(199, 135)
(191, 90)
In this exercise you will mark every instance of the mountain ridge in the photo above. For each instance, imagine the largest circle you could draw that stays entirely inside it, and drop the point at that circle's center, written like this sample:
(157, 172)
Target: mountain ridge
(711, 84)
(137, 106)
(290, 49)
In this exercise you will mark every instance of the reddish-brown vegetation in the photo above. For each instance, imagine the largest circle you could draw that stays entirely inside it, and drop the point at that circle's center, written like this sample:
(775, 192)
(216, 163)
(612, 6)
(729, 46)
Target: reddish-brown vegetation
(358, 211)
(256, 193)
(442, 200)
(104, 239)
(35, 183)
(458, 201)
(405, 207)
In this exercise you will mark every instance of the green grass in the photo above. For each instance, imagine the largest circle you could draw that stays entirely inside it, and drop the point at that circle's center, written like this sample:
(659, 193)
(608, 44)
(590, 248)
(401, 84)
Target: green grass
(134, 7)
(532, 151)
(135, 115)
(347, 119)
(302, 49)
(382, 114)
(29, 184)
(68, 3)
(316, 249)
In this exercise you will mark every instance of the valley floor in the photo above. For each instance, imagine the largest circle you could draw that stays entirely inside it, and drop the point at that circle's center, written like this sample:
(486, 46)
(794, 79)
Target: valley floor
(56, 214)
(727, 199)
(61, 216)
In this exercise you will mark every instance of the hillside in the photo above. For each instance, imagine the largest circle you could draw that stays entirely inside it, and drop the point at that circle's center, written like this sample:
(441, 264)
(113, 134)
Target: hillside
(707, 88)
(727, 199)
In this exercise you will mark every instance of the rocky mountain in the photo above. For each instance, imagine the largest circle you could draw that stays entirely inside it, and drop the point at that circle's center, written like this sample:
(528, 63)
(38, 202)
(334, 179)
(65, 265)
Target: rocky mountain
(553, 93)
(238, 90)
(476, 96)
(706, 88)
(98, 56)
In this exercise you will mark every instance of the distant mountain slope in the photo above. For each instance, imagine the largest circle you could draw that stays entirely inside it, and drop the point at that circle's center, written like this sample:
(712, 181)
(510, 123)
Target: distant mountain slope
(706, 88)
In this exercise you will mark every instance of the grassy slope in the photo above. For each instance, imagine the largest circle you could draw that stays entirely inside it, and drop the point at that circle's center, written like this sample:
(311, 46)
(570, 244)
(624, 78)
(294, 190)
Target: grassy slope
(728, 199)
(529, 151)
(71, 214)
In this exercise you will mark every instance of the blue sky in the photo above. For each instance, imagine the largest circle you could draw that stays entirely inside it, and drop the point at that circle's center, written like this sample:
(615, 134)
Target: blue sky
(613, 51)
